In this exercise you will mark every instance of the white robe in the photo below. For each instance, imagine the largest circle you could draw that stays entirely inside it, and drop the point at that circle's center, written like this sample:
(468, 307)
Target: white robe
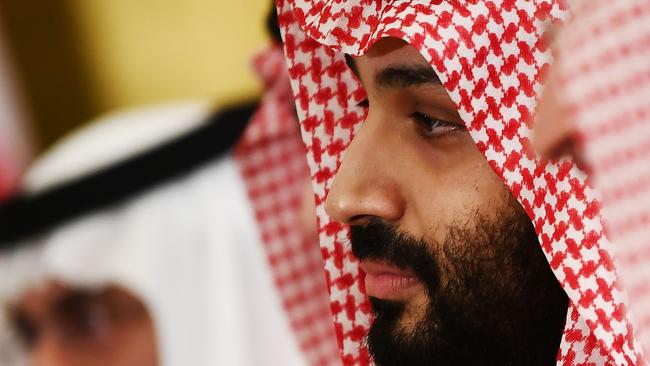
(190, 249)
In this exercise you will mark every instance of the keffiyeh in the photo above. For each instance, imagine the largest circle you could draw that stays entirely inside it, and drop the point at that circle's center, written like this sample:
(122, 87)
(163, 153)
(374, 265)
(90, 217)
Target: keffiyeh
(271, 160)
(491, 57)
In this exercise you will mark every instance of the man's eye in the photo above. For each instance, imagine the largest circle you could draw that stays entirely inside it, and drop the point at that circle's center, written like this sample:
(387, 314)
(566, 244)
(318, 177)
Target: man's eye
(82, 317)
(26, 330)
(433, 127)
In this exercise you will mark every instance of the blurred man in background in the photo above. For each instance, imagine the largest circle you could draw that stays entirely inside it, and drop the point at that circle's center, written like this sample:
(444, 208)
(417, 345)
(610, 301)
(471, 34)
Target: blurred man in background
(596, 108)
(171, 236)
(143, 257)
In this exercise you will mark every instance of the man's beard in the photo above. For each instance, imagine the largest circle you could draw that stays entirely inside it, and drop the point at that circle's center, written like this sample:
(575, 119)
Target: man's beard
(492, 298)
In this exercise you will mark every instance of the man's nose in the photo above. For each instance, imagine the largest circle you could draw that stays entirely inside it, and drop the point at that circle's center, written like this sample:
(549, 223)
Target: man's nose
(366, 185)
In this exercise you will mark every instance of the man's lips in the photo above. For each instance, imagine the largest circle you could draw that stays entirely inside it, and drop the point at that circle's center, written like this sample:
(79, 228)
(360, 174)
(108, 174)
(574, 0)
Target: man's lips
(387, 282)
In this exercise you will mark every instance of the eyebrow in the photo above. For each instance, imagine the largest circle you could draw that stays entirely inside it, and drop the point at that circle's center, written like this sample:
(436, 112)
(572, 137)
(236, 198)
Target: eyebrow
(400, 76)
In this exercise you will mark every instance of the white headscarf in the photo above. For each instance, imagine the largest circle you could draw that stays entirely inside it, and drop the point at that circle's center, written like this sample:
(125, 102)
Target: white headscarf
(189, 248)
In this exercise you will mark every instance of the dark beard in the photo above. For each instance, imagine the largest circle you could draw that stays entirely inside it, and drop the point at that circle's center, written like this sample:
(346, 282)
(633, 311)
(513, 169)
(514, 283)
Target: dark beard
(492, 297)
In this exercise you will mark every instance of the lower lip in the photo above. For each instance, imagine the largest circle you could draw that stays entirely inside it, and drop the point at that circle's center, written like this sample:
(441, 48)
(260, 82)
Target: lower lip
(390, 286)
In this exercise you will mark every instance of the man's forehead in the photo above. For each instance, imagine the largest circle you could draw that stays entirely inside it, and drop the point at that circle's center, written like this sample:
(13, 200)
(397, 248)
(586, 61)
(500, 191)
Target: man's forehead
(392, 62)
(390, 51)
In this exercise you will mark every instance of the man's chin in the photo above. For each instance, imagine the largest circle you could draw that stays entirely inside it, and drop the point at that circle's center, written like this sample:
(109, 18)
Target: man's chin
(393, 339)
(421, 338)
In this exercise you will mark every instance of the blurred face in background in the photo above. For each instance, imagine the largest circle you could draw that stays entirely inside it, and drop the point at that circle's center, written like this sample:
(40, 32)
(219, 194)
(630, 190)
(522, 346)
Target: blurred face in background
(554, 135)
(61, 326)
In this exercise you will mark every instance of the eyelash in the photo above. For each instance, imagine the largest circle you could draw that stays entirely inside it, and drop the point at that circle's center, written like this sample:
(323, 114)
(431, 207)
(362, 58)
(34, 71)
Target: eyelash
(425, 122)
(428, 123)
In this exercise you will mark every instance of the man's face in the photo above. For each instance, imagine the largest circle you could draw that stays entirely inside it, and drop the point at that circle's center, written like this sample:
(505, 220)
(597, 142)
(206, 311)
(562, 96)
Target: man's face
(61, 326)
(453, 267)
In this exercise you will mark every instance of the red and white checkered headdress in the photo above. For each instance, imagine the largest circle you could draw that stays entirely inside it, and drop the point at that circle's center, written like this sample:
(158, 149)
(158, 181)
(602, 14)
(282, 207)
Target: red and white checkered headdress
(490, 56)
(271, 158)
(604, 71)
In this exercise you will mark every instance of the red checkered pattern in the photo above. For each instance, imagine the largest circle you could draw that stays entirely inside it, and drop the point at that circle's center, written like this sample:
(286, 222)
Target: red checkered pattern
(490, 56)
(604, 68)
(271, 157)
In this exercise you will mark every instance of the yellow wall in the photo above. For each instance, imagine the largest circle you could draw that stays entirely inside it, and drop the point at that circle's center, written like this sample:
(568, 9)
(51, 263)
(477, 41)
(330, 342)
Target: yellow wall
(141, 51)
(82, 58)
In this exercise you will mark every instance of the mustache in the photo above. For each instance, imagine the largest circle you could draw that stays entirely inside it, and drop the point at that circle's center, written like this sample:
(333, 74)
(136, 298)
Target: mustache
(385, 243)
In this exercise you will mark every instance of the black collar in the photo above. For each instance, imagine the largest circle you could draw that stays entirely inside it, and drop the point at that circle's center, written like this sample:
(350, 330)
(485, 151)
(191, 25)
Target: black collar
(26, 216)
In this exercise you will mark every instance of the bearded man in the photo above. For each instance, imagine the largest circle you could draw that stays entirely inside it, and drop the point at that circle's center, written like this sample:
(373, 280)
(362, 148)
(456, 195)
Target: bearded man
(471, 251)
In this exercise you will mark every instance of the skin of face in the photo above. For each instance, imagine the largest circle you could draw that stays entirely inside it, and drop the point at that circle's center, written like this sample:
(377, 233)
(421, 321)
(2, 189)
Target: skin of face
(439, 236)
(553, 134)
(421, 174)
(63, 326)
